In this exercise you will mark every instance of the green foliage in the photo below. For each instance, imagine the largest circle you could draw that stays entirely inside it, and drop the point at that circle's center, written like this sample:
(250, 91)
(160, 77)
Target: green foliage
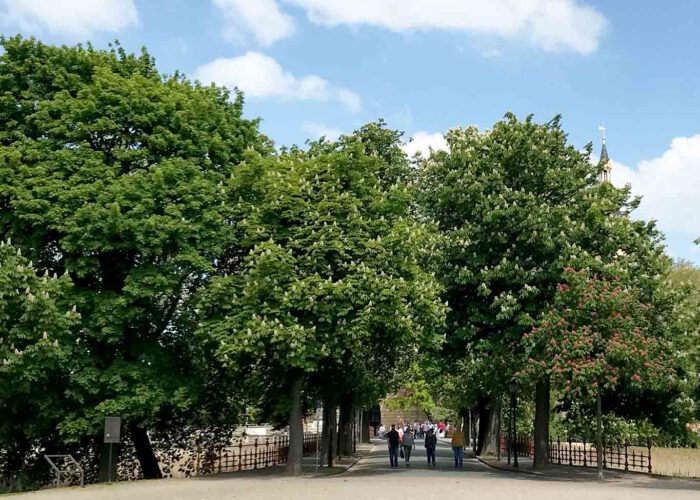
(39, 342)
(117, 175)
(516, 205)
(332, 281)
(685, 278)
(414, 392)
(674, 320)
(576, 423)
(597, 333)
(210, 272)
(600, 337)
(685, 304)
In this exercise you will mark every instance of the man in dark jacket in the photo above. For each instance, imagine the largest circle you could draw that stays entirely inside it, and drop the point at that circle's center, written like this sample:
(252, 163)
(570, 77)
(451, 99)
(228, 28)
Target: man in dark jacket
(392, 439)
(430, 444)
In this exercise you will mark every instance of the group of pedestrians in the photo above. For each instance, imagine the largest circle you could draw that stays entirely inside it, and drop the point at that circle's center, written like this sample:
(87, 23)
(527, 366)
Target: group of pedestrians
(440, 429)
(402, 441)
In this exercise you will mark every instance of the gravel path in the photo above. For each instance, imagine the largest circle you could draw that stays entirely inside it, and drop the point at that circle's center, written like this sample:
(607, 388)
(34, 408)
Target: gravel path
(371, 478)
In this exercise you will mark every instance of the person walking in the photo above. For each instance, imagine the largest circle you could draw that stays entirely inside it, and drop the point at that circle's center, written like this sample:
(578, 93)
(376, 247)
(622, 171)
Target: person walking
(430, 445)
(392, 439)
(407, 445)
(458, 447)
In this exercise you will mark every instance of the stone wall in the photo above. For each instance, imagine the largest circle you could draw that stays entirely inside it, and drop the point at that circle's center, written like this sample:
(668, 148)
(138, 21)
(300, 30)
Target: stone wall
(396, 416)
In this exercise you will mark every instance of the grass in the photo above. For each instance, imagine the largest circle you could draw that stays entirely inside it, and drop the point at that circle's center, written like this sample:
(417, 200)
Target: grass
(680, 462)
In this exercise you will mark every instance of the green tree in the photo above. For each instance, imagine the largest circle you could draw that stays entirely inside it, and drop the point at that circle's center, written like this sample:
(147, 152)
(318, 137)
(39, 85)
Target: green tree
(597, 334)
(332, 283)
(116, 174)
(685, 279)
(517, 204)
(38, 343)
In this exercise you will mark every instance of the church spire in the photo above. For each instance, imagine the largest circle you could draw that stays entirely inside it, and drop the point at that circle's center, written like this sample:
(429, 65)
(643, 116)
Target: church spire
(605, 174)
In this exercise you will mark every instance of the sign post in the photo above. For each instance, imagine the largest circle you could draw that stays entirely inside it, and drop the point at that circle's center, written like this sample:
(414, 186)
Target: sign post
(112, 435)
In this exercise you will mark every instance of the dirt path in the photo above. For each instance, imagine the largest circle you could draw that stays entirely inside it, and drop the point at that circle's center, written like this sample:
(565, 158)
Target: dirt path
(371, 478)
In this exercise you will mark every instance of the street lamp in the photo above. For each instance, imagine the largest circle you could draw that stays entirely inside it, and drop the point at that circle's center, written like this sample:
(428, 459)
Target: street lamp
(513, 386)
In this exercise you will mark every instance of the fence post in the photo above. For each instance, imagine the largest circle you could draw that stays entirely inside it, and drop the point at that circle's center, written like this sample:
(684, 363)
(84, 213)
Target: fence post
(571, 450)
(196, 466)
(561, 445)
(627, 467)
(255, 454)
(240, 454)
(585, 453)
(605, 463)
(649, 453)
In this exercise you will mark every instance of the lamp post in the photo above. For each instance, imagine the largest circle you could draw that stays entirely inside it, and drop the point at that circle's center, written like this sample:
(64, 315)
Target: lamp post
(513, 386)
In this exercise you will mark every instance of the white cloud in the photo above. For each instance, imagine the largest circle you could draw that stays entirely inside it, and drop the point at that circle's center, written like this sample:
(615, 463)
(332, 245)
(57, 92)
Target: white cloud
(422, 142)
(552, 25)
(317, 130)
(73, 18)
(261, 18)
(549, 24)
(261, 76)
(670, 186)
(350, 99)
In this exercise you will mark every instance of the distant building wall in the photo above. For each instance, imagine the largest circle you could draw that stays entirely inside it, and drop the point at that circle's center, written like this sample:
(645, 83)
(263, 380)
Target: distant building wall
(409, 415)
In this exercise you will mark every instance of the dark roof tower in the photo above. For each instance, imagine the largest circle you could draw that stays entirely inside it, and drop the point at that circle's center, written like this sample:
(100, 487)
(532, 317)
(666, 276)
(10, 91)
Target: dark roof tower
(606, 173)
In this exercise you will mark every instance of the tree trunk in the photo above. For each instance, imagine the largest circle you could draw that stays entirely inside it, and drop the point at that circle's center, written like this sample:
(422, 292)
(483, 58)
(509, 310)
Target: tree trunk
(468, 427)
(541, 423)
(296, 429)
(472, 429)
(364, 429)
(345, 427)
(483, 417)
(328, 434)
(491, 428)
(144, 453)
(599, 435)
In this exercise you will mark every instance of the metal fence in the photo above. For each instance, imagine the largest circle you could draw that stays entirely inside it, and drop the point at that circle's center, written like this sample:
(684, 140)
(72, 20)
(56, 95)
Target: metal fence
(524, 445)
(617, 454)
(258, 453)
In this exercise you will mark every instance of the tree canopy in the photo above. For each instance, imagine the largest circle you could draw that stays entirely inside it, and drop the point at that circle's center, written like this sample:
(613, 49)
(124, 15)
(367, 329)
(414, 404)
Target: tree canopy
(169, 265)
(517, 205)
(38, 327)
(332, 281)
(116, 175)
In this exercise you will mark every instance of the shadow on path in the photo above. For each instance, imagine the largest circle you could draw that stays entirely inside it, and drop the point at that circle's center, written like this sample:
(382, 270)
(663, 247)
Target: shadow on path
(376, 463)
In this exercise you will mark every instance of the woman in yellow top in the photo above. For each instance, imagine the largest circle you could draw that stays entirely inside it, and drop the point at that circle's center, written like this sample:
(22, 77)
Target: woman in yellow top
(458, 443)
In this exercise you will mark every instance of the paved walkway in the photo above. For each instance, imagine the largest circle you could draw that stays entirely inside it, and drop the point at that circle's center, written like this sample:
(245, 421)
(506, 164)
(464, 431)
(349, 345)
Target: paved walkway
(377, 461)
(371, 478)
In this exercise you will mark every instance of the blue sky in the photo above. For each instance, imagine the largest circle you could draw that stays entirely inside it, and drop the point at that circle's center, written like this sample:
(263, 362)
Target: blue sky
(327, 66)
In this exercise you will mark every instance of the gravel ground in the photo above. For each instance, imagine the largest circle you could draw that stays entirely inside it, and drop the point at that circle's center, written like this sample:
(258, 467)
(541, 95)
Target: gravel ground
(371, 478)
